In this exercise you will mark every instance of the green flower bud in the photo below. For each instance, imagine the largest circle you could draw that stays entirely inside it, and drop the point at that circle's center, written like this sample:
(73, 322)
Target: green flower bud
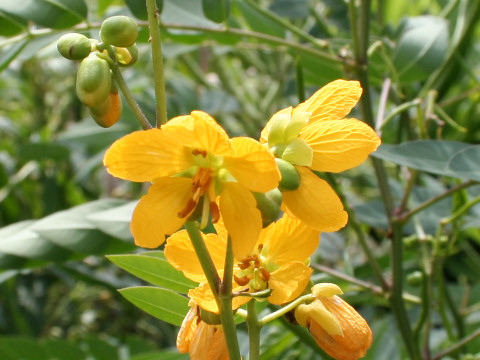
(94, 81)
(268, 207)
(415, 278)
(121, 31)
(290, 176)
(126, 56)
(74, 46)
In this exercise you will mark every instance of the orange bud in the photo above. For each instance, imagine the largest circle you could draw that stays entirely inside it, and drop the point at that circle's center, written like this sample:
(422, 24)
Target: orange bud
(107, 113)
(357, 336)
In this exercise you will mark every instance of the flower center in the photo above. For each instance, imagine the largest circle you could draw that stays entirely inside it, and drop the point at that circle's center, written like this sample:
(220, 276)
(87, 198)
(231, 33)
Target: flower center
(253, 271)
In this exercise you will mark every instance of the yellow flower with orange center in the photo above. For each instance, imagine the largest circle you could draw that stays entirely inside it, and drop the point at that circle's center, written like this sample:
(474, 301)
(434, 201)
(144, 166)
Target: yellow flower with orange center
(200, 340)
(192, 161)
(315, 136)
(277, 262)
(336, 326)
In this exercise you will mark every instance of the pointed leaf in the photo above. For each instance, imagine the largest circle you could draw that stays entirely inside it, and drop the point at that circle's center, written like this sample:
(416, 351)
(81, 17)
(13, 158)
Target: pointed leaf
(164, 304)
(114, 221)
(466, 163)
(154, 270)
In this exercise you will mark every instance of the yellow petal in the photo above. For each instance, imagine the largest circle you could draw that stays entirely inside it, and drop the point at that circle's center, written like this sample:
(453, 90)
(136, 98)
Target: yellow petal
(253, 166)
(288, 282)
(156, 214)
(333, 101)
(199, 131)
(208, 343)
(315, 203)
(289, 240)
(180, 253)
(326, 290)
(146, 156)
(339, 145)
(187, 330)
(203, 296)
(241, 217)
(318, 313)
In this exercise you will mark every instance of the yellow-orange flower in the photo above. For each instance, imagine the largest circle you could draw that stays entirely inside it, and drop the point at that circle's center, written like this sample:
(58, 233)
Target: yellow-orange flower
(336, 326)
(200, 340)
(190, 159)
(315, 136)
(277, 262)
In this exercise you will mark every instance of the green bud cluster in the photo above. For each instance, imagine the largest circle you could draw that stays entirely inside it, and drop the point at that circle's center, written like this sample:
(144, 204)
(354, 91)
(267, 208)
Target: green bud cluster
(95, 86)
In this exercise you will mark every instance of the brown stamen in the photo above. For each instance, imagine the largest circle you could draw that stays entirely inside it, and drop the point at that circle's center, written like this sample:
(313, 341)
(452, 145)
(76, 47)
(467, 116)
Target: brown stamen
(188, 208)
(214, 211)
(199, 152)
(265, 275)
(241, 281)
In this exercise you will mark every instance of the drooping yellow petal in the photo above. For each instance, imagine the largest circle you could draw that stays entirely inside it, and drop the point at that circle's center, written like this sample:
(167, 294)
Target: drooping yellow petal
(208, 343)
(187, 330)
(241, 217)
(325, 290)
(289, 239)
(316, 311)
(181, 255)
(156, 215)
(339, 145)
(315, 203)
(253, 166)
(199, 131)
(146, 156)
(333, 101)
(288, 282)
(203, 296)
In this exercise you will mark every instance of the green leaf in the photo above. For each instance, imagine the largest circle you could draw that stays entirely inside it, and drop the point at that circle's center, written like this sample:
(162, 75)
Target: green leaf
(425, 155)
(139, 8)
(43, 151)
(185, 12)
(101, 350)
(164, 304)
(292, 9)
(9, 54)
(22, 348)
(56, 14)
(63, 350)
(163, 355)
(216, 10)
(154, 270)
(71, 230)
(421, 48)
(114, 221)
(466, 163)
(10, 24)
(259, 22)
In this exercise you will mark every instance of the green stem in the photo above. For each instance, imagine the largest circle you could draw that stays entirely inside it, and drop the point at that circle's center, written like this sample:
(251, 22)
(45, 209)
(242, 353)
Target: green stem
(458, 345)
(127, 94)
(158, 73)
(225, 297)
(289, 307)
(253, 330)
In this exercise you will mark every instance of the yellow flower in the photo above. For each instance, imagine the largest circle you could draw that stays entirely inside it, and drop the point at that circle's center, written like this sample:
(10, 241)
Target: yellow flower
(189, 159)
(336, 326)
(201, 340)
(315, 136)
(277, 262)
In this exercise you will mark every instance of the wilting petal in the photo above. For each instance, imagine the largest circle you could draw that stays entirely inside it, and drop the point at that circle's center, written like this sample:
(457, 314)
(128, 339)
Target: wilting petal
(146, 156)
(181, 255)
(333, 101)
(241, 217)
(156, 215)
(288, 240)
(208, 343)
(199, 131)
(357, 336)
(253, 166)
(306, 314)
(339, 145)
(288, 282)
(188, 329)
(315, 203)
(203, 296)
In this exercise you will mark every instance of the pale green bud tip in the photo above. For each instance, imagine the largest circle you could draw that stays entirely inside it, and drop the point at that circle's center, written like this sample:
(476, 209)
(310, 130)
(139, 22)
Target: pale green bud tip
(74, 46)
(298, 152)
(326, 290)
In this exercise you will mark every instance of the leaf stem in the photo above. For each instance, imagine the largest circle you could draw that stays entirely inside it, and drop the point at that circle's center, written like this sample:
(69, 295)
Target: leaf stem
(158, 73)
(289, 307)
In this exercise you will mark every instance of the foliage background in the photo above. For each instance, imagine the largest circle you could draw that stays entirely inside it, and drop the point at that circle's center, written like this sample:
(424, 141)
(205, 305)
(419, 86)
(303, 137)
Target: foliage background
(60, 212)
